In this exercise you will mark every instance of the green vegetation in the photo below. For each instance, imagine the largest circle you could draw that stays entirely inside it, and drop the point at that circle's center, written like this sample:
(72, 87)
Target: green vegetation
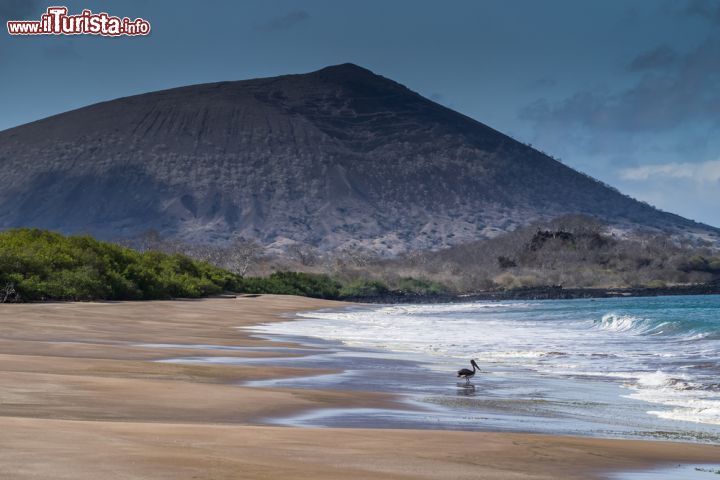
(419, 287)
(572, 252)
(293, 283)
(364, 288)
(701, 263)
(37, 265)
(42, 265)
(368, 288)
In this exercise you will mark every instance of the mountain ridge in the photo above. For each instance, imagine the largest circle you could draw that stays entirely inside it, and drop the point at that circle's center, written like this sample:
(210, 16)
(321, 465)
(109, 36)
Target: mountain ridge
(340, 157)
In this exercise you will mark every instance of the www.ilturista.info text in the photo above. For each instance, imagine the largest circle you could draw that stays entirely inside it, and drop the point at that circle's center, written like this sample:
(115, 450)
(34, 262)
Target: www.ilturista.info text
(56, 21)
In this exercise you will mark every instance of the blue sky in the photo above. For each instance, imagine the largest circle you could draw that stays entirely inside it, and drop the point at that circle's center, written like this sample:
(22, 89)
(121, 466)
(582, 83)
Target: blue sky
(625, 90)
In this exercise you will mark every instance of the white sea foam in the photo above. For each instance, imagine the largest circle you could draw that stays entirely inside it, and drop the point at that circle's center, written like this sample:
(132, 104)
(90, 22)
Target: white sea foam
(708, 415)
(400, 310)
(618, 323)
(614, 322)
(633, 349)
(691, 403)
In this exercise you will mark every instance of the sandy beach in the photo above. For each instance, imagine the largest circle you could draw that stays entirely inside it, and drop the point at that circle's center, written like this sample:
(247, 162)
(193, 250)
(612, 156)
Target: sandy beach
(83, 396)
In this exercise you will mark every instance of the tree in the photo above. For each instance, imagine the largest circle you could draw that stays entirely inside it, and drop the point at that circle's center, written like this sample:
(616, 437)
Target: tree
(8, 293)
(243, 254)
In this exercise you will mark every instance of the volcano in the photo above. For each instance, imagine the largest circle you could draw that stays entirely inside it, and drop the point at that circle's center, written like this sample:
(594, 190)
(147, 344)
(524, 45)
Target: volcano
(334, 158)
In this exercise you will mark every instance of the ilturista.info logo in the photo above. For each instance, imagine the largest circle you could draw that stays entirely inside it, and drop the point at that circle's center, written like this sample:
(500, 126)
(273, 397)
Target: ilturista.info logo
(56, 21)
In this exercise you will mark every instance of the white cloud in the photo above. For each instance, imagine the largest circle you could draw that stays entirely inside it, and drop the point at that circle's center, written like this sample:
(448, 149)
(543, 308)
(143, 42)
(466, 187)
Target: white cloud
(703, 172)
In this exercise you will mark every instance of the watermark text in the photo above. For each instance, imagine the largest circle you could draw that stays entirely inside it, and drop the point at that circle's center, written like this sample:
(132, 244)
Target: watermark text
(56, 21)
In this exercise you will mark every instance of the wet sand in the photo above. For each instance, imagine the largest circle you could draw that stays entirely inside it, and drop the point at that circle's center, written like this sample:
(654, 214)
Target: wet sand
(83, 396)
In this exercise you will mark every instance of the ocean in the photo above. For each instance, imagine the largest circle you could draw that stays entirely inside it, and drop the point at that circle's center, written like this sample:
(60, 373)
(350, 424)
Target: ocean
(632, 367)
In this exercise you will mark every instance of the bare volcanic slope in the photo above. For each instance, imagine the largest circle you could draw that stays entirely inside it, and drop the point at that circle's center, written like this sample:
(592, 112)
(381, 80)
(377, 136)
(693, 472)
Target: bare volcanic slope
(335, 157)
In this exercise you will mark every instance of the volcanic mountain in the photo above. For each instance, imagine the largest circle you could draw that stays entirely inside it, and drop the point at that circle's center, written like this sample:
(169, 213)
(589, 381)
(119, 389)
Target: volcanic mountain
(332, 158)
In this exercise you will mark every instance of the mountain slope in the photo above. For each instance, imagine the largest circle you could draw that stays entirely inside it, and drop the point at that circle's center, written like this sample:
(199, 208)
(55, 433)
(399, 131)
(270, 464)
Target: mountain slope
(332, 158)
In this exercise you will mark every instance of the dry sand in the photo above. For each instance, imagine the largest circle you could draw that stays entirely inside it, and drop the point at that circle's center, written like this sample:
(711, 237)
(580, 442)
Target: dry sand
(79, 399)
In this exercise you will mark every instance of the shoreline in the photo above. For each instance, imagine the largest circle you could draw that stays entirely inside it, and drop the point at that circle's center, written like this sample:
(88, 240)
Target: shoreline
(82, 395)
(431, 398)
(541, 293)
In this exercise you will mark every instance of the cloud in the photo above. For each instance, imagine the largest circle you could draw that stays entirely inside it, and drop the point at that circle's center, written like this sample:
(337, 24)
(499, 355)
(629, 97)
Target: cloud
(287, 21)
(661, 56)
(18, 9)
(708, 9)
(689, 92)
(703, 172)
(689, 189)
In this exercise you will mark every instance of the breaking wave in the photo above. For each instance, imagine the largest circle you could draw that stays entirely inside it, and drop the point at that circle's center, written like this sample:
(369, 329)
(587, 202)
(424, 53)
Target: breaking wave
(689, 400)
(688, 330)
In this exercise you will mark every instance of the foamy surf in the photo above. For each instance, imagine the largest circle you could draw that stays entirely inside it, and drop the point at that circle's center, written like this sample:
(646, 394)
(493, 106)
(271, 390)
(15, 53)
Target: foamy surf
(664, 351)
(691, 401)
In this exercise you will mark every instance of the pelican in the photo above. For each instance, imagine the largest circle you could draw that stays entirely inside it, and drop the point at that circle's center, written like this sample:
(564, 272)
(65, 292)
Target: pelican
(468, 374)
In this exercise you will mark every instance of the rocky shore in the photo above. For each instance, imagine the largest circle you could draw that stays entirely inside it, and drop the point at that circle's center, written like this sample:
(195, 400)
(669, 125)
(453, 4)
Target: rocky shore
(553, 292)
